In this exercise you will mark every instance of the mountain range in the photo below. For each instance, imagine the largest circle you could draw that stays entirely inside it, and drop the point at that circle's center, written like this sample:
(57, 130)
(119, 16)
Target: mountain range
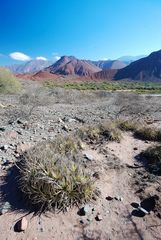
(144, 69)
(30, 66)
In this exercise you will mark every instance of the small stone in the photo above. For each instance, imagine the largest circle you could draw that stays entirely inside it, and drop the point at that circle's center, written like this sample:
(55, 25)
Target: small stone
(82, 145)
(88, 156)
(60, 120)
(135, 148)
(2, 129)
(118, 198)
(96, 175)
(4, 147)
(22, 147)
(5, 208)
(65, 128)
(21, 225)
(109, 198)
(81, 221)
(84, 210)
(99, 217)
(12, 134)
(71, 120)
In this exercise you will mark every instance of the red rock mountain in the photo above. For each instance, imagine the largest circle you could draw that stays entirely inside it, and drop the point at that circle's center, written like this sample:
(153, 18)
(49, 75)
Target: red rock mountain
(72, 66)
(145, 69)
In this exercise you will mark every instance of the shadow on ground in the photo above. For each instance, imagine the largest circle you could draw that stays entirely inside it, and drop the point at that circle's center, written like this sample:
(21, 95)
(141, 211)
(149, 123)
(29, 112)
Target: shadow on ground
(10, 192)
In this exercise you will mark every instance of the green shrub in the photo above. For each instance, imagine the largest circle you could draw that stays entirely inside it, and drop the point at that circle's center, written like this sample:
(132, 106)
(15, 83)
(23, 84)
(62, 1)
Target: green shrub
(8, 83)
(153, 156)
(53, 181)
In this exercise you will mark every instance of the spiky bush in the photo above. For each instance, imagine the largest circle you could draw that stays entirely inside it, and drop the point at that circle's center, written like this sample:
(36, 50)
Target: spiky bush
(153, 156)
(53, 181)
(8, 83)
(150, 134)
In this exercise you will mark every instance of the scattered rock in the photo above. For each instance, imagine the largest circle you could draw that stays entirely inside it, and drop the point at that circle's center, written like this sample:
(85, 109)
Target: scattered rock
(22, 147)
(60, 120)
(84, 210)
(82, 145)
(21, 225)
(109, 198)
(96, 175)
(135, 148)
(65, 128)
(5, 208)
(12, 134)
(99, 217)
(119, 198)
(81, 221)
(88, 156)
(4, 147)
(2, 129)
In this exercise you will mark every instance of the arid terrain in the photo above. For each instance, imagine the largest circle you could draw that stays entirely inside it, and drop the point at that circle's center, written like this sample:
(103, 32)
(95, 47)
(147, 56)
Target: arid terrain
(38, 114)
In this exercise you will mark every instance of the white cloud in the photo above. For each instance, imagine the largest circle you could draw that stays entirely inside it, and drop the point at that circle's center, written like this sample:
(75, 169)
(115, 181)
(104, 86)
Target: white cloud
(19, 56)
(57, 58)
(41, 58)
(104, 59)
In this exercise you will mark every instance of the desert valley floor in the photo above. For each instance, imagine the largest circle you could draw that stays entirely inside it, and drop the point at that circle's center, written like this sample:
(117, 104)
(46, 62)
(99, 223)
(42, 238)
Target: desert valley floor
(39, 114)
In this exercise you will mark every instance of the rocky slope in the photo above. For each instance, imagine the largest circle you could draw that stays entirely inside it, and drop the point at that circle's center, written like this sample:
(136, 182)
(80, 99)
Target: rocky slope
(145, 69)
(105, 74)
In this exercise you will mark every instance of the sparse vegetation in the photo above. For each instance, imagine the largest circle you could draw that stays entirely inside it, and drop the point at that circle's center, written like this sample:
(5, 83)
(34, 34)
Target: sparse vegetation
(8, 83)
(153, 156)
(51, 178)
(138, 87)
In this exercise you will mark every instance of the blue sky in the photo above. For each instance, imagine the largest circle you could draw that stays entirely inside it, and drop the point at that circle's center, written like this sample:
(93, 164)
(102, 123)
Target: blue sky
(90, 29)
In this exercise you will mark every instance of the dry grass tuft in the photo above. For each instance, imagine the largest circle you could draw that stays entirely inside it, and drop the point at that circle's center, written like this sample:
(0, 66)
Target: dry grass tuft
(100, 132)
(147, 133)
(127, 125)
(153, 156)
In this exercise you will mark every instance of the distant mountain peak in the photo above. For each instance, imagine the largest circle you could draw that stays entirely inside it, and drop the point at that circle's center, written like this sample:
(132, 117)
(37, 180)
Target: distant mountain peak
(30, 66)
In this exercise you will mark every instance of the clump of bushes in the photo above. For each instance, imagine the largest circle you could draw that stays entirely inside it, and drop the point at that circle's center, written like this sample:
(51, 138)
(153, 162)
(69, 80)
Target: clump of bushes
(8, 83)
(147, 133)
(52, 178)
(153, 156)
(127, 125)
(105, 131)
